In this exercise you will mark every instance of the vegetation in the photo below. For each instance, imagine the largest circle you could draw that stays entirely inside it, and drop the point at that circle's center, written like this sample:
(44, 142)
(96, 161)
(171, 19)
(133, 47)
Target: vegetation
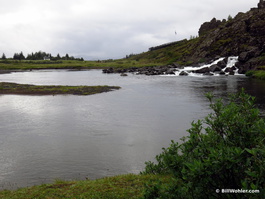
(43, 56)
(124, 186)
(258, 74)
(178, 52)
(27, 89)
(11, 65)
(226, 150)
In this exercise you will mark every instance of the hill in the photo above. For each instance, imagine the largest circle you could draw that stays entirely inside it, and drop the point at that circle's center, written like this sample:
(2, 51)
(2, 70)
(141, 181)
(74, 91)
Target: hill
(243, 36)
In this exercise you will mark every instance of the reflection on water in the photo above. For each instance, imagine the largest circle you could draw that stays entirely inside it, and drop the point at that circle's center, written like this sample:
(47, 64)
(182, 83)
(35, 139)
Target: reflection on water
(43, 138)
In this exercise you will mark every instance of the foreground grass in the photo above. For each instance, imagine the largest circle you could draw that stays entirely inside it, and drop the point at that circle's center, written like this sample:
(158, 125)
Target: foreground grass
(27, 89)
(124, 186)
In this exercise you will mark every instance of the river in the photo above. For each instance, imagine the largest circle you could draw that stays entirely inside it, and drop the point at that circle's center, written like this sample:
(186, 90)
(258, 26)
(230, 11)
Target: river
(43, 138)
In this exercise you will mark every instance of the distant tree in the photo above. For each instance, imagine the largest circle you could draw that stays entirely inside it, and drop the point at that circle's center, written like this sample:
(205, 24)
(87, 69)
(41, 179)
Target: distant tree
(58, 56)
(30, 56)
(16, 56)
(66, 56)
(21, 56)
(229, 18)
(3, 56)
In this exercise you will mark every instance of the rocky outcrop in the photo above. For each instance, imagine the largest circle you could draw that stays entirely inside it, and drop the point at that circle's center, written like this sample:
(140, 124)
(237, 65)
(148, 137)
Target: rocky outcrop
(207, 26)
(261, 4)
(242, 36)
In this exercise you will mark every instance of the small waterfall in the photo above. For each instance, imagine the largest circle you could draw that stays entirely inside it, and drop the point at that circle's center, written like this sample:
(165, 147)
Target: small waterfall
(212, 69)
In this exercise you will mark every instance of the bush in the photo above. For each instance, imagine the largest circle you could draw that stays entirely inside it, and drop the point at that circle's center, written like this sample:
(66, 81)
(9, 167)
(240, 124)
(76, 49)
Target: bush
(226, 150)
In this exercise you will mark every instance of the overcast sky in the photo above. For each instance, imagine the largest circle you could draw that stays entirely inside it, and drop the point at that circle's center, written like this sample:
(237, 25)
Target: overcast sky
(102, 29)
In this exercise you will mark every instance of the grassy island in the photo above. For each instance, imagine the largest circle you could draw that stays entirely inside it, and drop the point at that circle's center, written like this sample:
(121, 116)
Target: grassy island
(28, 89)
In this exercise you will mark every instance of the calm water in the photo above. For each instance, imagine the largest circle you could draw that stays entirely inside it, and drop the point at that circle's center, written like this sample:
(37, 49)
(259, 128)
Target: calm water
(43, 138)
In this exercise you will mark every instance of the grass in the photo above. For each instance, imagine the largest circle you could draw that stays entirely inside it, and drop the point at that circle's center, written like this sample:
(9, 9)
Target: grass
(28, 89)
(257, 74)
(9, 65)
(117, 187)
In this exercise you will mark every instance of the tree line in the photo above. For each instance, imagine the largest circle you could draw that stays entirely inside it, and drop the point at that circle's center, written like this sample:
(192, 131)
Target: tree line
(41, 56)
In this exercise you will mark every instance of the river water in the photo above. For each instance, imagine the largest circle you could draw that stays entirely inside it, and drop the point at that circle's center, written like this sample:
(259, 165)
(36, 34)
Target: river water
(43, 138)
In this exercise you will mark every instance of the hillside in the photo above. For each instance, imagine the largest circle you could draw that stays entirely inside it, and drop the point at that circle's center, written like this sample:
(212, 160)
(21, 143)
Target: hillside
(243, 36)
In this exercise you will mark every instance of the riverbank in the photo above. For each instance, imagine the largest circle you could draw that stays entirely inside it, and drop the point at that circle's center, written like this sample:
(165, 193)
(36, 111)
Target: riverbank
(123, 186)
(24, 65)
(28, 89)
(257, 74)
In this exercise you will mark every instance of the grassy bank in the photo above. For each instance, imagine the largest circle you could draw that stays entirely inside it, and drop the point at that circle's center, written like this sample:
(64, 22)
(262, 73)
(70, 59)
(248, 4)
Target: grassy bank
(9, 65)
(258, 74)
(27, 89)
(124, 186)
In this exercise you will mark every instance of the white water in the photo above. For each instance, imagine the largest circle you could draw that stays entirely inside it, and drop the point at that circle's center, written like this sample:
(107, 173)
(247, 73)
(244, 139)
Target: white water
(189, 69)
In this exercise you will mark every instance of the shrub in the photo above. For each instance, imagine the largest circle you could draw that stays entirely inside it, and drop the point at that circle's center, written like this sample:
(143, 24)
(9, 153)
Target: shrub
(225, 150)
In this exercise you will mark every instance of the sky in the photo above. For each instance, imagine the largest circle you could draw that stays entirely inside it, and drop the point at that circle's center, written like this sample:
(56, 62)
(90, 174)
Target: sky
(105, 29)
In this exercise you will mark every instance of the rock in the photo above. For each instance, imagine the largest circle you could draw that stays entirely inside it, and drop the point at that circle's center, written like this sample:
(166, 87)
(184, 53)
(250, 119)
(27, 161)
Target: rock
(208, 74)
(207, 26)
(120, 70)
(245, 56)
(228, 70)
(175, 65)
(132, 70)
(222, 73)
(231, 73)
(215, 68)
(243, 68)
(124, 74)
(203, 70)
(170, 71)
(222, 64)
(183, 73)
(108, 70)
(261, 4)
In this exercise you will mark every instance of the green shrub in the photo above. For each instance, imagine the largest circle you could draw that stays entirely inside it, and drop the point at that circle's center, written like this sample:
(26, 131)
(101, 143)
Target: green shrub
(225, 150)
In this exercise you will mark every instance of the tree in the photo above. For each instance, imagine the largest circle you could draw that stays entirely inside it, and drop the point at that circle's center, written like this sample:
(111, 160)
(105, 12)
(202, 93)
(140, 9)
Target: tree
(229, 18)
(16, 56)
(3, 56)
(58, 56)
(21, 56)
(226, 150)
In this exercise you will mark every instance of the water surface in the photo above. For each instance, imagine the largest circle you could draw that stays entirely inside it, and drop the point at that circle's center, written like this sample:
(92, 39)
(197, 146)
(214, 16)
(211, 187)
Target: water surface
(43, 138)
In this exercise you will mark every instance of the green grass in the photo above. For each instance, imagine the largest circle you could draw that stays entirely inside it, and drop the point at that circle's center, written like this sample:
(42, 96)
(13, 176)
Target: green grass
(27, 89)
(257, 74)
(6, 65)
(177, 53)
(123, 186)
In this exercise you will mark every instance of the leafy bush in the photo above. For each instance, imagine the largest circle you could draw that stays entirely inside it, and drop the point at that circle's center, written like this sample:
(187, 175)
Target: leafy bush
(225, 150)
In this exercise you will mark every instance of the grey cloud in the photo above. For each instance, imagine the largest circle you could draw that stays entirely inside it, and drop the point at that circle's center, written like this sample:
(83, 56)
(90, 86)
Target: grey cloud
(105, 29)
